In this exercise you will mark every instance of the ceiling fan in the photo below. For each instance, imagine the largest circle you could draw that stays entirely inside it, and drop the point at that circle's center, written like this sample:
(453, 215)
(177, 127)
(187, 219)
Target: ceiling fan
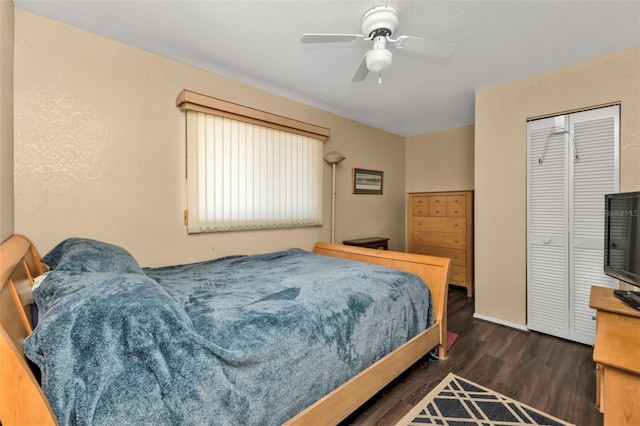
(378, 25)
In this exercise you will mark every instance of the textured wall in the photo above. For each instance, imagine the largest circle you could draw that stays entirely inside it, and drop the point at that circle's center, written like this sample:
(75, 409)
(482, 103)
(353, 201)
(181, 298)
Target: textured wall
(440, 161)
(6, 119)
(501, 170)
(99, 151)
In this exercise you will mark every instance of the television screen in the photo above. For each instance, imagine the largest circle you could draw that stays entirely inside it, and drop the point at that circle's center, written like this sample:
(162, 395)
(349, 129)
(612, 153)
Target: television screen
(622, 237)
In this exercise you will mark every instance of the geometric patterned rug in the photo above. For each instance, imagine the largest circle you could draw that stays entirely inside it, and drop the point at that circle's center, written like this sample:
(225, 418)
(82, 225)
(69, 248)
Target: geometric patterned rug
(459, 402)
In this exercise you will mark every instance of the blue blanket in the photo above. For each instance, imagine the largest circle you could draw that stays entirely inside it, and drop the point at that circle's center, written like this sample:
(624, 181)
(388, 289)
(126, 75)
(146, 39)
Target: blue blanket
(238, 340)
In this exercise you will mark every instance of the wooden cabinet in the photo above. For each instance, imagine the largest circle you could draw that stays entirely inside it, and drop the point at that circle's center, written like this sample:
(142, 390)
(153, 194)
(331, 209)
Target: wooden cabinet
(441, 224)
(616, 352)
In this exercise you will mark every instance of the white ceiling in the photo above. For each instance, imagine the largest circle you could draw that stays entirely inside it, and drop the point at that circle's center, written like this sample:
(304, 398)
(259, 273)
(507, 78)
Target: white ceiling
(257, 42)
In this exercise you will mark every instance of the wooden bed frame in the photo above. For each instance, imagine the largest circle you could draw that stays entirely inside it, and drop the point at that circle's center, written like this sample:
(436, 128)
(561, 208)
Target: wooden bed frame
(22, 401)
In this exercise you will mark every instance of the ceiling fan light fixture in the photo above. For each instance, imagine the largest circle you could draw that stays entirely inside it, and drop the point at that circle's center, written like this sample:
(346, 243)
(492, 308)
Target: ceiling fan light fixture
(378, 26)
(378, 59)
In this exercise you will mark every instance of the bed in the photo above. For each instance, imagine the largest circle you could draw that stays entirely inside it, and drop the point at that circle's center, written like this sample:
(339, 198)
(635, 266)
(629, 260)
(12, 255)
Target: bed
(23, 400)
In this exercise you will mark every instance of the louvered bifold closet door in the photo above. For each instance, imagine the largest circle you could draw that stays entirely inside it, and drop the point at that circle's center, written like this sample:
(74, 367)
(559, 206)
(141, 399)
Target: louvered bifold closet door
(594, 174)
(547, 272)
(572, 163)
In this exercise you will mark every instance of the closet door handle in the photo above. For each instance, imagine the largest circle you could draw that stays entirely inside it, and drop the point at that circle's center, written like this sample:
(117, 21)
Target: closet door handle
(546, 241)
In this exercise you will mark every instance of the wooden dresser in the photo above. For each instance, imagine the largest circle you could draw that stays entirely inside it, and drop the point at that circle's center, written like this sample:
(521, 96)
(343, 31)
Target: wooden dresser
(617, 356)
(441, 224)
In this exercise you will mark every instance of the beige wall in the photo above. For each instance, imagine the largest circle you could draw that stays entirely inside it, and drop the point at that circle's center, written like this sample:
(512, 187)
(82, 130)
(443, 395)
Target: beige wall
(6, 118)
(440, 161)
(365, 215)
(500, 164)
(99, 151)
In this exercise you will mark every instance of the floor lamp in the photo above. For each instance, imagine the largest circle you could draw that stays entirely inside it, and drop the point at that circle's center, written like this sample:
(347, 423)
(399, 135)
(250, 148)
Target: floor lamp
(333, 158)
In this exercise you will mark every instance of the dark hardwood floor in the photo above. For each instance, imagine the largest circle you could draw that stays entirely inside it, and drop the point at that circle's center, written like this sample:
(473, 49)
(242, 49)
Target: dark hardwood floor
(551, 374)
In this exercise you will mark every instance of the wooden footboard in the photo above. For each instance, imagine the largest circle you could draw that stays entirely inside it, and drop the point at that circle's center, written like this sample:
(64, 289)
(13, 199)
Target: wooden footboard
(22, 401)
(434, 271)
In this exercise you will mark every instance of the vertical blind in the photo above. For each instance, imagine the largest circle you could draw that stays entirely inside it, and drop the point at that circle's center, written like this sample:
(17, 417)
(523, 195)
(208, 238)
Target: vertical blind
(243, 176)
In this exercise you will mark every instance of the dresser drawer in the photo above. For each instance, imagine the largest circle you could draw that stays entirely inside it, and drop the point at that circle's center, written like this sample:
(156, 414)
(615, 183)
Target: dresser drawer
(439, 224)
(458, 274)
(456, 206)
(457, 256)
(439, 239)
(437, 206)
(420, 206)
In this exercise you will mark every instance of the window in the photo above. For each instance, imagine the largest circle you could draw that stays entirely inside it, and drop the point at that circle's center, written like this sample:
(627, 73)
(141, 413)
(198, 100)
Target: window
(245, 173)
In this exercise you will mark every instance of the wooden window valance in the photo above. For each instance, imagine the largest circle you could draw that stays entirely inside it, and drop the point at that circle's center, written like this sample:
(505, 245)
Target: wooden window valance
(188, 100)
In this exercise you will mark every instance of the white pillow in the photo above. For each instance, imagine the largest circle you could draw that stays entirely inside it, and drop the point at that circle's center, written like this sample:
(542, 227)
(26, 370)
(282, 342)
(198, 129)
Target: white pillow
(38, 280)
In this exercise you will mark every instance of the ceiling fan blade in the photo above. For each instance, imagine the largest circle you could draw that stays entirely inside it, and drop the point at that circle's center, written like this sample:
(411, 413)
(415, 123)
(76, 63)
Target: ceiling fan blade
(330, 38)
(437, 49)
(362, 71)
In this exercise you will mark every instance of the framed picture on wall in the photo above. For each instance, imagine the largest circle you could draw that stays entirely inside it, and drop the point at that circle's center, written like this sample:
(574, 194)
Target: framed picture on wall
(367, 181)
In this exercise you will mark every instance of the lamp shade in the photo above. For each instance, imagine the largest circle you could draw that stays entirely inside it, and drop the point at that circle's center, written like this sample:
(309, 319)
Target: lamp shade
(378, 59)
(333, 157)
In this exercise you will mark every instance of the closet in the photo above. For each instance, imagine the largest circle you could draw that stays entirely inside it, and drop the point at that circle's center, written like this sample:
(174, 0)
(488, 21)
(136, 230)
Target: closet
(572, 161)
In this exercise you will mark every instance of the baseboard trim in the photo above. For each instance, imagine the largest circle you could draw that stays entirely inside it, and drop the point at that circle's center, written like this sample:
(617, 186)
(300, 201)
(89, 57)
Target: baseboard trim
(501, 322)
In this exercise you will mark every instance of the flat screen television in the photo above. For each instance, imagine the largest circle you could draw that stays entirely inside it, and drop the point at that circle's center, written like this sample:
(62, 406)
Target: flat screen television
(622, 237)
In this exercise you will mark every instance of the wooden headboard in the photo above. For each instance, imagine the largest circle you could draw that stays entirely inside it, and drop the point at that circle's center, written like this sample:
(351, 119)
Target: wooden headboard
(22, 401)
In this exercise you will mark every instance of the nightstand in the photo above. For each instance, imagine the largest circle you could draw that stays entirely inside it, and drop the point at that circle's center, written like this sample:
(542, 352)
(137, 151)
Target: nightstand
(370, 242)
